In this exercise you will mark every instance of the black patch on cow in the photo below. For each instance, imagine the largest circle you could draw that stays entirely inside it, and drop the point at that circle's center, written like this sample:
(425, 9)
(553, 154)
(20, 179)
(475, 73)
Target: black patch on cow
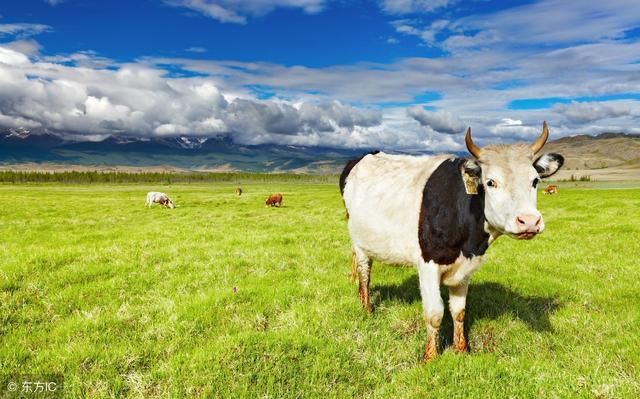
(451, 221)
(347, 169)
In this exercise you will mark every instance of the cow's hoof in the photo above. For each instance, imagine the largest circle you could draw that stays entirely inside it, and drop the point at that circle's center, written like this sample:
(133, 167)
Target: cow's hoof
(429, 354)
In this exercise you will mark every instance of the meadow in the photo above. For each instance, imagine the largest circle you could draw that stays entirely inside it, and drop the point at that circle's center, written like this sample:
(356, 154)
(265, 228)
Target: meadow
(222, 297)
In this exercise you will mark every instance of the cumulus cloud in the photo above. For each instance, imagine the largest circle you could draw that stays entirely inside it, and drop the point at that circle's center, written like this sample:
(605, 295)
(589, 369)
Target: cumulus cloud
(27, 47)
(440, 121)
(134, 99)
(586, 112)
(237, 11)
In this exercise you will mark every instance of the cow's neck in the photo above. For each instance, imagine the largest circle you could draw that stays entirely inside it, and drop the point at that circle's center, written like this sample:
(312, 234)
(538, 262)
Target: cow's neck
(493, 233)
(451, 221)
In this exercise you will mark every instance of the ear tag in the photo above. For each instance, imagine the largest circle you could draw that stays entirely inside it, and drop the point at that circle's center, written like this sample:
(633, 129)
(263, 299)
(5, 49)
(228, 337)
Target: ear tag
(470, 184)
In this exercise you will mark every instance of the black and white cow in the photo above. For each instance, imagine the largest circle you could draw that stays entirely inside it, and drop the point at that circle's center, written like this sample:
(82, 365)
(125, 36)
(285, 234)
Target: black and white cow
(441, 213)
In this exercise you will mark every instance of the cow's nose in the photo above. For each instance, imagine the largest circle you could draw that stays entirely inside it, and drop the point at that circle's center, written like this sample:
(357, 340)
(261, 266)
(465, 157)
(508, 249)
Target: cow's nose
(528, 223)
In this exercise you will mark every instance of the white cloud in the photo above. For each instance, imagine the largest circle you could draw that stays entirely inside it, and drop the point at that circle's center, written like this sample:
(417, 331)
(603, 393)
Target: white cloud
(546, 22)
(54, 2)
(510, 122)
(587, 112)
(22, 30)
(12, 57)
(196, 50)
(414, 6)
(237, 11)
(75, 96)
(440, 121)
(27, 47)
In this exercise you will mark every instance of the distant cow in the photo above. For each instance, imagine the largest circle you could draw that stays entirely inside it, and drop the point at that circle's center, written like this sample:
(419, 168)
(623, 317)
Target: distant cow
(159, 198)
(551, 189)
(274, 200)
(441, 213)
(238, 191)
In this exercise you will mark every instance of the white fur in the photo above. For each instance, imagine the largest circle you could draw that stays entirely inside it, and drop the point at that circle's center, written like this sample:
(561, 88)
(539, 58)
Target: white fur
(460, 271)
(432, 305)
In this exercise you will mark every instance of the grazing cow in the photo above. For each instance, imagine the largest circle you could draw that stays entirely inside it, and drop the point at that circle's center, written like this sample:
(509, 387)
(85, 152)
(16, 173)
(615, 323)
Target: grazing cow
(274, 200)
(440, 213)
(160, 198)
(238, 191)
(551, 189)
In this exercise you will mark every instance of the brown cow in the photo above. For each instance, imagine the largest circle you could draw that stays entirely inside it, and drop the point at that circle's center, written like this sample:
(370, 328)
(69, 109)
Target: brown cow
(274, 200)
(551, 189)
(238, 191)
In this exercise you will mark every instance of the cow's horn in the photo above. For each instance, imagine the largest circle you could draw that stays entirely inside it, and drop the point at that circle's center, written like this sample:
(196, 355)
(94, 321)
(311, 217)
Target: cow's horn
(537, 146)
(473, 149)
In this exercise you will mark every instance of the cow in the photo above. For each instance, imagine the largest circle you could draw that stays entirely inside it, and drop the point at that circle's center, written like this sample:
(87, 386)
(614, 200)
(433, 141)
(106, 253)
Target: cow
(551, 189)
(274, 200)
(160, 198)
(441, 213)
(238, 191)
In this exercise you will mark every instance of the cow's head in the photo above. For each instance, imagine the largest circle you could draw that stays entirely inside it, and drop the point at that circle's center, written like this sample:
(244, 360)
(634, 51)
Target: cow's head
(509, 175)
(170, 204)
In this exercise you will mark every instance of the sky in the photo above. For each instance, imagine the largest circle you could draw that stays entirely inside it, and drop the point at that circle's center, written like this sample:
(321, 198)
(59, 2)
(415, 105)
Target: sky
(388, 74)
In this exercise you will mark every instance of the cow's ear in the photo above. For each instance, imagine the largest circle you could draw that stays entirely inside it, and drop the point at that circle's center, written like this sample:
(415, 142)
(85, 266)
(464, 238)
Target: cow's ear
(472, 168)
(548, 164)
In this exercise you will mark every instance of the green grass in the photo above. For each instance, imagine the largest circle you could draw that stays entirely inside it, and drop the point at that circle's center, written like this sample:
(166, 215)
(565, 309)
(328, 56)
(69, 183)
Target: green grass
(126, 301)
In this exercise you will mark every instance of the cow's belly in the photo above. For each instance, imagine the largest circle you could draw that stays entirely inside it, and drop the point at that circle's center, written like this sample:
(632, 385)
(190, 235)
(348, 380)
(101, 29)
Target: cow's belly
(386, 241)
(383, 195)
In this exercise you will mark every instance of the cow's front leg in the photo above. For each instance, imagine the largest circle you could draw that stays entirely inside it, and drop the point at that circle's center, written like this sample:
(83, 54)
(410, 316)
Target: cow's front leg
(457, 303)
(432, 305)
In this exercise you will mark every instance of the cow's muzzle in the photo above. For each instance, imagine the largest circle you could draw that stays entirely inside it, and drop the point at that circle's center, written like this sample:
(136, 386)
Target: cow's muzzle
(527, 226)
(524, 236)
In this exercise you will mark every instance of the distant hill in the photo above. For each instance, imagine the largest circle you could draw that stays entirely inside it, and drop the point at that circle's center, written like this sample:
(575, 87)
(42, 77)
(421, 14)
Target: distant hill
(195, 153)
(606, 150)
(593, 155)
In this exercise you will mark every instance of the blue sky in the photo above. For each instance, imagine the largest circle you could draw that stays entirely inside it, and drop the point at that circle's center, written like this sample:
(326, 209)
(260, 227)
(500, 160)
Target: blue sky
(400, 74)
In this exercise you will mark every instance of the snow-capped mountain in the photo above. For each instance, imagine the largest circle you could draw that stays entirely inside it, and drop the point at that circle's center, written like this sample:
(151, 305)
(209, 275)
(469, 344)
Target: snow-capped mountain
(191, 152)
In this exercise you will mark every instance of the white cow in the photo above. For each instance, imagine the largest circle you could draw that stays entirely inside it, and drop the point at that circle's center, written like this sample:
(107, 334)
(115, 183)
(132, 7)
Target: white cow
(160, 198)
(441, 213)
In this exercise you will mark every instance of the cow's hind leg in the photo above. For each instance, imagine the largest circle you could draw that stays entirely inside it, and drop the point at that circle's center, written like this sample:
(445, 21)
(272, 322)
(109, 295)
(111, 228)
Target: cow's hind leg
(364, 275)
(354, 267)
(432, 305)
(457, 303)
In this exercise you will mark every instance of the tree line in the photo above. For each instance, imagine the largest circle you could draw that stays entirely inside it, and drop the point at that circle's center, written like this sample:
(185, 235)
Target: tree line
(88, 177)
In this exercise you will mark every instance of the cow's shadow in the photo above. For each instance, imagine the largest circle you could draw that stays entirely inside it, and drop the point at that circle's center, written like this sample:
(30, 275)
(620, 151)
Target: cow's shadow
(486, 300)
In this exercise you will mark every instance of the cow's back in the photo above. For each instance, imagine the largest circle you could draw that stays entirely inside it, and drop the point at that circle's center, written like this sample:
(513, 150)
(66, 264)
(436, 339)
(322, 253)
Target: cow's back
(383, 194)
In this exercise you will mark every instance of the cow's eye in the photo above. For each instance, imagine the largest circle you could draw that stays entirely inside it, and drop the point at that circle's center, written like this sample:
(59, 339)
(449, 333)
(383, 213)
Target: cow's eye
(492, 183)
(535, 182)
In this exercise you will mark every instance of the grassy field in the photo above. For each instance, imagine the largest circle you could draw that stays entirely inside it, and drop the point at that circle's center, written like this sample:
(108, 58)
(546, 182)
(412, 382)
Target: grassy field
(222, 297)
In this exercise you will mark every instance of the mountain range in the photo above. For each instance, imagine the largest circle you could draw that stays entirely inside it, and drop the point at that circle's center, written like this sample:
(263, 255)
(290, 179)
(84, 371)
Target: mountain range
(21, 146)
